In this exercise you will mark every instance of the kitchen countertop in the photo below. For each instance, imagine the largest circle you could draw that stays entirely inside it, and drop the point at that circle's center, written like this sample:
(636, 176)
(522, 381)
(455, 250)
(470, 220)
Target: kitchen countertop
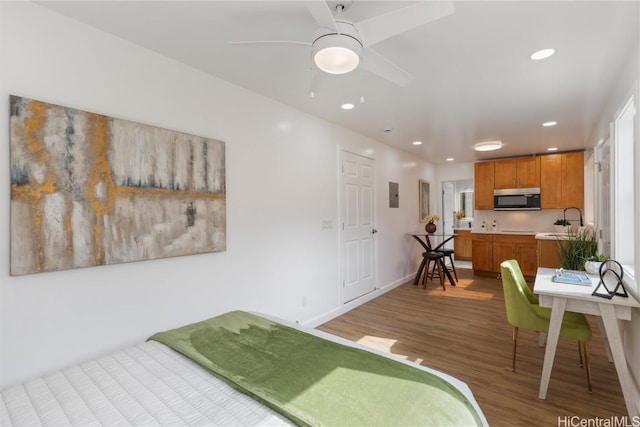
(539, 235)
(516, 232)
(552, 236)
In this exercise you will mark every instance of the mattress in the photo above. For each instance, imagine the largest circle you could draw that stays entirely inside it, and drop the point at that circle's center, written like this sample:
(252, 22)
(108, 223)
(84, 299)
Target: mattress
(150, 384)
(145, 385)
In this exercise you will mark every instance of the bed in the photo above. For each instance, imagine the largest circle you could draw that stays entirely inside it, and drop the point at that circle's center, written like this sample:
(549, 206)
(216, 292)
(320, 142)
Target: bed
(242, 369)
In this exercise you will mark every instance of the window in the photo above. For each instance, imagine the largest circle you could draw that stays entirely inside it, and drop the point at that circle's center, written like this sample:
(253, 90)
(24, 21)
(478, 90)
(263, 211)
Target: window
(624, 177)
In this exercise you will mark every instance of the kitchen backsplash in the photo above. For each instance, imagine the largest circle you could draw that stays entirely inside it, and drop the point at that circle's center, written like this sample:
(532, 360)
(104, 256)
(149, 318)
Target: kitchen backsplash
(538, 221)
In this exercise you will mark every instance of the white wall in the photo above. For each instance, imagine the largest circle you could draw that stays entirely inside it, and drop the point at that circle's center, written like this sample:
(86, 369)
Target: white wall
(282, 183)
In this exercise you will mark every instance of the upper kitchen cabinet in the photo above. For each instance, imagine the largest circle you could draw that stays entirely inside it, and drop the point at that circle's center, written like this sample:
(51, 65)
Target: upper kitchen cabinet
(562, 180)
(483, 185)
(517, 173)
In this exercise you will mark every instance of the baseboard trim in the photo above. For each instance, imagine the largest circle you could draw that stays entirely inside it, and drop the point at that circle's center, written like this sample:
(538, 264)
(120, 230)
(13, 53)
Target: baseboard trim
(332, 314)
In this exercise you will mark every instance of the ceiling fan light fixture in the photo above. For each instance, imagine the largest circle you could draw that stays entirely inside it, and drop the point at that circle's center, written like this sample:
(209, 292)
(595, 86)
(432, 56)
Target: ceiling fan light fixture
(337, 53)
(488, 146)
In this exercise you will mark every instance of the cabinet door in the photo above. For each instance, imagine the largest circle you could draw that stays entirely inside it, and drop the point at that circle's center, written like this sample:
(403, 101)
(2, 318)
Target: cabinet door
(502, 251)
(483, 183)
(505, 175)
(462, 245)
(562, 180)
(548, 255)
(482, 256)
(573, 179)
(528, 172)
(551, 181)
(527, 258)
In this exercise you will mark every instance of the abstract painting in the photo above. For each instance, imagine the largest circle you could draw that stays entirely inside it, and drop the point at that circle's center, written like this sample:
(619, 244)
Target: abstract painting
(88, 190)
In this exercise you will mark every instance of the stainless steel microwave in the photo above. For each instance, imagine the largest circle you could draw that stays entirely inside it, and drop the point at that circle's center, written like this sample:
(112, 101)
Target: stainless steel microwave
(516, 199)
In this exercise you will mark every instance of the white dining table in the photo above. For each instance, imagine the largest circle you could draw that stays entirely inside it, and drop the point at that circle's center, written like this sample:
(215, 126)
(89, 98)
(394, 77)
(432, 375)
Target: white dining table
(577, 298)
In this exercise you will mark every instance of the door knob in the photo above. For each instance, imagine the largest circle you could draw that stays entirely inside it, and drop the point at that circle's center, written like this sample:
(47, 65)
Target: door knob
(374, 231)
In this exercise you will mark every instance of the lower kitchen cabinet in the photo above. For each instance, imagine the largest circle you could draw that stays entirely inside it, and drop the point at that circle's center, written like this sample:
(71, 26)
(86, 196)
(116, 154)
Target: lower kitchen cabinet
(489, 250)
(523, 249)
(548, 253)
(462, 245)
(482, 252)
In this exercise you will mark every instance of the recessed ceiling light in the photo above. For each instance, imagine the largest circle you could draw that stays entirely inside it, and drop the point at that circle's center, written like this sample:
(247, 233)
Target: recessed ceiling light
(449, 159)
(542, 54)
(417, 142)
(547, 124)
(488, 146)
(552, 149)
(347, 106)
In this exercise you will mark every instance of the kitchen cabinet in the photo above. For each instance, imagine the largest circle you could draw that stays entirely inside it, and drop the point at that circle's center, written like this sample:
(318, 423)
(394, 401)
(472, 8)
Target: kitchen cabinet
(462, 245)
(522, 172)
(489, 250)
(562, 180)
(548, 253)
(483, 185)
(482, 252)
(523, 249)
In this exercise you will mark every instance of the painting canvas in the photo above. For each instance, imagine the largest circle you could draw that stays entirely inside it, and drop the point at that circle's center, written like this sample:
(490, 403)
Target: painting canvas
(423, 199)
(88, 189)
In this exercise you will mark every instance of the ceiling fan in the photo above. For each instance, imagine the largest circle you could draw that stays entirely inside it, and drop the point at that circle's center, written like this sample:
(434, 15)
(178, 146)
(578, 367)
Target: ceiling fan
(340, 46)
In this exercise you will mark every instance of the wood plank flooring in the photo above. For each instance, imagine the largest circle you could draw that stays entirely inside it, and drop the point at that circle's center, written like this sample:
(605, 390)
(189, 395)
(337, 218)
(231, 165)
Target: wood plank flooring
(463, 331)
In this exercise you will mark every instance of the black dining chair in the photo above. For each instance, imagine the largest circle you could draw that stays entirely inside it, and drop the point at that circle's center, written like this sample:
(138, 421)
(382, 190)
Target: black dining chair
(429, 273)
(448, 253)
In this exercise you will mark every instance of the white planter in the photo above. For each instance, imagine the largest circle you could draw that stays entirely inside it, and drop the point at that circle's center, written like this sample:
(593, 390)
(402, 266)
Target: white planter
(592, 267)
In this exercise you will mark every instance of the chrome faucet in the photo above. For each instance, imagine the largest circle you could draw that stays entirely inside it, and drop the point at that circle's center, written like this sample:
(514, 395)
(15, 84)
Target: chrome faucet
(564, 215)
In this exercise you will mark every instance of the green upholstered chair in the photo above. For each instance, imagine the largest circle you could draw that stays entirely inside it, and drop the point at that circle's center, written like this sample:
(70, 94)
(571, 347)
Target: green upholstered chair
(523, 311)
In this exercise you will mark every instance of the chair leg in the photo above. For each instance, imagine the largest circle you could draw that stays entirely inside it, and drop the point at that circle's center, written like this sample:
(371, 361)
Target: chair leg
(588, 365)
(515, 342)
(580, 353)
(441, 275)
(453, 267)
(426, 274)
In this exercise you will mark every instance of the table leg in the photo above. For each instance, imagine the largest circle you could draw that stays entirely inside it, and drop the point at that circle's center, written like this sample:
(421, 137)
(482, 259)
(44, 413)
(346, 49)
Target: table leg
(419, 273)
(557, 313)
(607, 311)
(603, 331)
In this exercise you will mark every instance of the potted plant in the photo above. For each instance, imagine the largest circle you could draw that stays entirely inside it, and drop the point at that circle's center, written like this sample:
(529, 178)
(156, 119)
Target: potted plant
(561, 226)
(577, 249)
(592, 264)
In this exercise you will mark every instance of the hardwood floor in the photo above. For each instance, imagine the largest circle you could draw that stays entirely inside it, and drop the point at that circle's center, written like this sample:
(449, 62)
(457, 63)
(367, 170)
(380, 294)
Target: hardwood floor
(463, 331)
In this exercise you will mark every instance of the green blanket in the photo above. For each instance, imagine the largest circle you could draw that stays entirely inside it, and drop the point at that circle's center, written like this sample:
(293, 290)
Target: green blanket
(313, 381)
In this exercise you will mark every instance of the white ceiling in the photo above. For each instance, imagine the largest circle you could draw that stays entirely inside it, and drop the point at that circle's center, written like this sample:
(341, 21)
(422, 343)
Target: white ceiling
(473, 81)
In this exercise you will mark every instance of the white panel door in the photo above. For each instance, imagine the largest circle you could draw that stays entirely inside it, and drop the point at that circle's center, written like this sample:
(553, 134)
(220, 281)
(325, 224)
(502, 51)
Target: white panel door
(358, 244)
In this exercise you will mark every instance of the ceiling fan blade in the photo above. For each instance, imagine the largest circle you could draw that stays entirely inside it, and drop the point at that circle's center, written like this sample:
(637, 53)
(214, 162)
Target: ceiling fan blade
(322, 13)
(377, 64)
(263, 42)
(382, 27)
